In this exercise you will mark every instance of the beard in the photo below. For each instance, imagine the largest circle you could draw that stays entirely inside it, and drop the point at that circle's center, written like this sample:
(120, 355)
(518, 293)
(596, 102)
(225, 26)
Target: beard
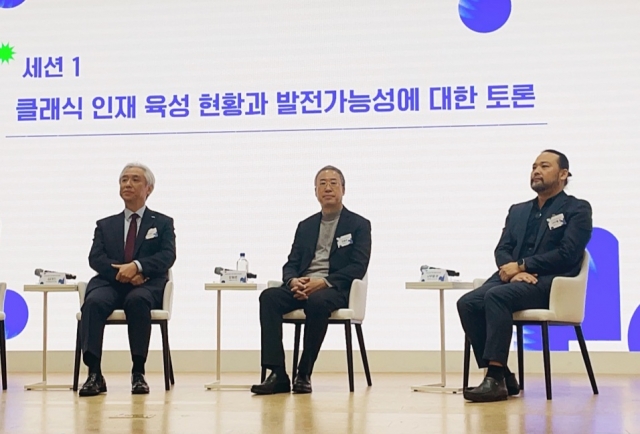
(541, 187)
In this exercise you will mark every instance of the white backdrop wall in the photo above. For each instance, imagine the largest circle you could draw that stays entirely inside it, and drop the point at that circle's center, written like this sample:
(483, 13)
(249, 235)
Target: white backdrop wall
(436, 184)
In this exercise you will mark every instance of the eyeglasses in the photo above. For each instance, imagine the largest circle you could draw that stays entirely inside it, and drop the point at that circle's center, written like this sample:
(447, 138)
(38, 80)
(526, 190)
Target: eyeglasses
(333, 183)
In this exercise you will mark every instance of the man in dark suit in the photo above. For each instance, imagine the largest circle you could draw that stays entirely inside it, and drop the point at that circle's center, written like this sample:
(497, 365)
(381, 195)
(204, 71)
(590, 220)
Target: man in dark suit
(542, 238)
(330, 249)
(132, 253)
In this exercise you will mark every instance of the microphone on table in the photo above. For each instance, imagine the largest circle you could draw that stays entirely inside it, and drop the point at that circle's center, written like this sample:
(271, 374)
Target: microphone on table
(39, 272)
(452, 273)
(220, 270)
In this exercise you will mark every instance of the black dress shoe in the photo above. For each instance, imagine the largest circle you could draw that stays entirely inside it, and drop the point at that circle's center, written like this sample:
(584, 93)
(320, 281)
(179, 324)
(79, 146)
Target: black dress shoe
(139, 385)
(513, 388)
(489, 390)
(302, 384)
(272, 385)
(95, 385)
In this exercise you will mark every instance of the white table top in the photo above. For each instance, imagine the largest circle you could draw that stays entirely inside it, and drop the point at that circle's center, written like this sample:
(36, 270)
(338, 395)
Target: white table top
(438, 285)
(51, 288)
(232, 286)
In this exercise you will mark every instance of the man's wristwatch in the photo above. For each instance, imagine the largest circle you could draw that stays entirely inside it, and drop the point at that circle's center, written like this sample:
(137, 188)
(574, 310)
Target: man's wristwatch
(521, 265)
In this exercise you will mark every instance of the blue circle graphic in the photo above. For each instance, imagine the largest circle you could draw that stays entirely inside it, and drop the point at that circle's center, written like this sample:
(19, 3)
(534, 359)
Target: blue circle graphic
(17, 314)
(484, 16)
(8, 4)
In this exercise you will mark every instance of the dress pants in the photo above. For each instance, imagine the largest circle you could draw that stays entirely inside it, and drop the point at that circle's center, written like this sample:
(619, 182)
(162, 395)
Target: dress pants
(137, 302)
(275, 302)
(486, 315)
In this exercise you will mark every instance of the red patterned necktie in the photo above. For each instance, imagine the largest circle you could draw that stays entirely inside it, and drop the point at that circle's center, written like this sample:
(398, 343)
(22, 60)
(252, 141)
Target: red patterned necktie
(131, 239)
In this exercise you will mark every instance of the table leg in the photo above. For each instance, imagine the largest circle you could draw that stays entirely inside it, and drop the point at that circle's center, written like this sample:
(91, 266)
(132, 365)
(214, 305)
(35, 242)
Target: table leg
(45, 319)
(219, 335)
(443, 360)
(442, 386)
(216, 385)
(43, 384)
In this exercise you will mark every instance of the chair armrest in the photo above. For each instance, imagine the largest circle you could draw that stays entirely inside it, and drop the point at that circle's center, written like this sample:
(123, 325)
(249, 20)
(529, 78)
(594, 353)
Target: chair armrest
(477, 283)
(167, 298)
(82, 290)
(3, 291)
(568, 298)
(569, 294)
(358, 298)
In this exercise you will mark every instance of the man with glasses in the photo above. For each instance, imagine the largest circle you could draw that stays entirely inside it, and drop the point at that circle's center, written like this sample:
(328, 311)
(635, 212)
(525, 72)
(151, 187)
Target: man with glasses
(330, 249)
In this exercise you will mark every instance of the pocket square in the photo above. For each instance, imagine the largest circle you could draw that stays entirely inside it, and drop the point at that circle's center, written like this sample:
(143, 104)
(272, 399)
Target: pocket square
(151, 233)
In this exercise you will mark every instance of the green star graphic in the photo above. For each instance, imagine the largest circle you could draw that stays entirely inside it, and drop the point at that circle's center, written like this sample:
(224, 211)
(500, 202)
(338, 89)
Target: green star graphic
(6, 53)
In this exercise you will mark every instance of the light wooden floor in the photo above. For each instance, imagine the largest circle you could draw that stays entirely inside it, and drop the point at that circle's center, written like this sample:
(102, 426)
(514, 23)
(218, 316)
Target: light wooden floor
(388, 407)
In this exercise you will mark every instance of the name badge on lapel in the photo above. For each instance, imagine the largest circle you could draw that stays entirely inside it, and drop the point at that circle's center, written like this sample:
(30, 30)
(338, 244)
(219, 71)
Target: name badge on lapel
(556, 221)
(344, 240)
(151, 233)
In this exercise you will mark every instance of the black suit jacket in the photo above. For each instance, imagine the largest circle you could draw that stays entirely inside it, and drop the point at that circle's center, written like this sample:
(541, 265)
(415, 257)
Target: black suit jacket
(345, 263)
(156, 255)
(557, 252)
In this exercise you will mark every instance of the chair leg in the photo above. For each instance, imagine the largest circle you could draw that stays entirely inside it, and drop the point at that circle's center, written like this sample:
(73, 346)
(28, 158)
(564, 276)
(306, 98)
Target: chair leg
(164, 330)
(3, 355)
(296, 350)
(465, 366)
(520, 338)
(171, 377)
(587, 360)
(546, 358)
(76, 362)
(363, 353)
(347, 336)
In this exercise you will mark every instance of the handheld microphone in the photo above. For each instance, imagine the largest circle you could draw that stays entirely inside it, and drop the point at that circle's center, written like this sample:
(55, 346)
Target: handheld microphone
(220, 270)
(39, 272)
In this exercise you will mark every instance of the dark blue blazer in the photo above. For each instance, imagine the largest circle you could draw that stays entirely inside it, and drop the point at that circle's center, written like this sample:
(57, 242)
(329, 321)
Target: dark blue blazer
(345, 263)
(557, 252)
(156, 255)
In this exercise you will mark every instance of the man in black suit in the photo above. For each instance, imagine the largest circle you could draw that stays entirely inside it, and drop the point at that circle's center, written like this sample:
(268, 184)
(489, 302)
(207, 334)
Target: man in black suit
(132, 253)
(330, 249)
(542, 238)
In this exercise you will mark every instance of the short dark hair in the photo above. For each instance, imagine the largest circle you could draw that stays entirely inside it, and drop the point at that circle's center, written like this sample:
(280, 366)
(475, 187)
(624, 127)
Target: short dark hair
(563, 161)
(335, 169)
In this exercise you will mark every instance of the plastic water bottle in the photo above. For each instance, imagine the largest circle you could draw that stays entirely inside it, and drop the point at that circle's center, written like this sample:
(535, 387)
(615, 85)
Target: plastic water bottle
(242, 264)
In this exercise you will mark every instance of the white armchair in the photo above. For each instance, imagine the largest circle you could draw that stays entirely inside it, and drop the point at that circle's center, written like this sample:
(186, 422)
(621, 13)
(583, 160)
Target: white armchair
(3, 341)
(567, 301)
(158, 316)
(354, 314)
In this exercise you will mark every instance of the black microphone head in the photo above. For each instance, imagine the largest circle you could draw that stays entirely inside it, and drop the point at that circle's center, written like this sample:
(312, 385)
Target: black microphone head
(38, 272)
(218, 271)
(71, 276)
